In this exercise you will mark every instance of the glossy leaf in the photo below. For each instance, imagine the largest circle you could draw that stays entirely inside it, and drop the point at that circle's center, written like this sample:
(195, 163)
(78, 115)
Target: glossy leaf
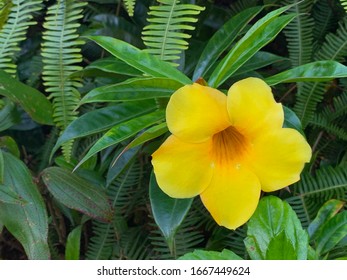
(272, 218)
(102, 119)
(260, 34)
(291, 120)
(222, 39)
(140, 59)
(325, 213)
(149, 134)
(108, 66)
(134, 89)
(77, 193)
(124, 131)
(168, 212)
(280, 248)
(210, 255)
(27, 222)
(73, 244)
(318, 71)
(259, 60)
(32, 101)
(10, 145)
(332, 232)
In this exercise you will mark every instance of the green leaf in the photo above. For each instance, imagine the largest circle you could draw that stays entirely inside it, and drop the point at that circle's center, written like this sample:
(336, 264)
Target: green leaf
(123, 131)
(149, 134)
(318, 71)
(168, 212)
(140, 60)
(332, 232)
(27, 222)
(222, 39)
(10, 145)
(73, 244)
(133, 89)
(272, 217)
(32, 101)
(7, 195)
(325, 213)
(280, 248)
(210, 255)
(259, 60)
(106, 67)
(77, 193)
(260, 34)
(102, 119)
(291, 120)
(8, 114)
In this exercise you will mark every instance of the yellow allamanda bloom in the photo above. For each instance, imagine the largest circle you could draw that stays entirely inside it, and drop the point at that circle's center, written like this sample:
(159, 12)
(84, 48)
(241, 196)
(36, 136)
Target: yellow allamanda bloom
(228, 149)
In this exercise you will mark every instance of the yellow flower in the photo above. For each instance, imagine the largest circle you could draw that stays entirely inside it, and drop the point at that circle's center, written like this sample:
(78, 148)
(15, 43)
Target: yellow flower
(228, 148)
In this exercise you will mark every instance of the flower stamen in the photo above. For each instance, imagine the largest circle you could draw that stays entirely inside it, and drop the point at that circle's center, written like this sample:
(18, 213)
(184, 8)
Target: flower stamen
(229, 145)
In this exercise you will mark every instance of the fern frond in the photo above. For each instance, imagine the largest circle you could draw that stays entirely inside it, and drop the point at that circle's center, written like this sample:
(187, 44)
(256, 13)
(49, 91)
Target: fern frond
(337, 109)
(121, 193)
(312, 191)
(165, 36)
(322, 122)
(299, 32)
(334, 48)
(14, 31)
(130, 6)
(242, 5)
(344, 4)
(325, 20)
(61, 53)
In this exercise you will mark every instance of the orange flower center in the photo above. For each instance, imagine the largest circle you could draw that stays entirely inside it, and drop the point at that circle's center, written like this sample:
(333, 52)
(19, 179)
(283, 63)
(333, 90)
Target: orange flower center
(229, 145)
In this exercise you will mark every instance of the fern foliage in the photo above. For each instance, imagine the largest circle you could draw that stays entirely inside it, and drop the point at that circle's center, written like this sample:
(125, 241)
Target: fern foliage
(299, 32)
(130, 6)
(344, 4)
(334, 48)
(165, 36)
(13, 32)
(313, 190)
(61, 53)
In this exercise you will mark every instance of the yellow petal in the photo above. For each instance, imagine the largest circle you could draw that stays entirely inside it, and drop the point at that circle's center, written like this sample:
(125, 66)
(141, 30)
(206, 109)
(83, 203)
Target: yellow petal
(195, 112)
(182, 169)
(278, 157)
(252, 107)
(232, 196)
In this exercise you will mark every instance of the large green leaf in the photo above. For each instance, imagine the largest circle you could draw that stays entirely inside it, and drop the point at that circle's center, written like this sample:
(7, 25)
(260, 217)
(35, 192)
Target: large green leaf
(222, 39)
(331, 233)
(134, 89)
(73, 244)
(8, 114)
(140, 59)
(325, 213)
(124, 131)
(107, 67)
(7, 195)
(168, 212)
(27, 222)
(210, 255)
(291, 120)
(260, 34)
(274, 226)
(77, 193)
(102, 119)
(32, 101)
(318, 71)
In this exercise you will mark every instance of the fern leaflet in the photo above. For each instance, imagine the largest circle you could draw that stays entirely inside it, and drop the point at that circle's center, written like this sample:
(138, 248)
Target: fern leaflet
(130, 6)
(61, 53)
(164, 35)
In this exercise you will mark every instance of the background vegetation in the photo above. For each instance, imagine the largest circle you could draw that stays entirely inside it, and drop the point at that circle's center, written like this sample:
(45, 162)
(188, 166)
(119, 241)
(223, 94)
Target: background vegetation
(73, 99)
